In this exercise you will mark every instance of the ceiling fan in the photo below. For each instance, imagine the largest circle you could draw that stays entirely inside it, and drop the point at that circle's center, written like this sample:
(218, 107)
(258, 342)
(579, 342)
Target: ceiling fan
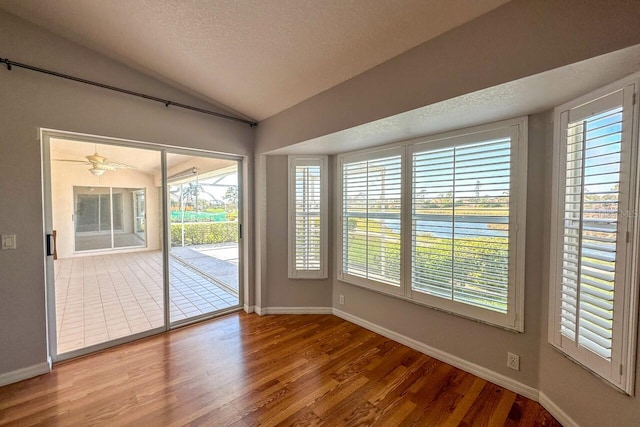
(99, 164)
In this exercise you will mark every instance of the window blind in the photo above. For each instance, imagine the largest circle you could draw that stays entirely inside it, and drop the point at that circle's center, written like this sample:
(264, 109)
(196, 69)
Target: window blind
(460, 223)
(590, 230)
(307, 217)
(435, 221)
(371, 219)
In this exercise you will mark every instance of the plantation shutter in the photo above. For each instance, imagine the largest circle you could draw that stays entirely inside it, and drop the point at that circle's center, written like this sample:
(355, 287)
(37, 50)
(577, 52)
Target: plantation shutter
(593, 294)
(593, 201)
(307, 206)
(460, 223)
(371, 218)
(307, 217)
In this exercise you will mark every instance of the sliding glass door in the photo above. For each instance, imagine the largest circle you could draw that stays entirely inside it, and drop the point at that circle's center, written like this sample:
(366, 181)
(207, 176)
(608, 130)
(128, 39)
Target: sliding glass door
(106, 209)
(146, 239)
(204, 255)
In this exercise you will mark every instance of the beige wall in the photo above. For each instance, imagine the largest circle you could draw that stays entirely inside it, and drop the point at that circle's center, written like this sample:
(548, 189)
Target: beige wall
(30, 101)
(280, 290)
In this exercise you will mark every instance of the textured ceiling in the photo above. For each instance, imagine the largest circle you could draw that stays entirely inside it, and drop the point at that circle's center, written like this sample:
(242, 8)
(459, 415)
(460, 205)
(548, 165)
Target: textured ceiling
(257, 57)
(525, 96)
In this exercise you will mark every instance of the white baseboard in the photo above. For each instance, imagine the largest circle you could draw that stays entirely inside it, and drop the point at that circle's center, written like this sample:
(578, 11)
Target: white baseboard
(25, 373)
(555, 410)
(249, 308)
(295, 310)
(477, 370)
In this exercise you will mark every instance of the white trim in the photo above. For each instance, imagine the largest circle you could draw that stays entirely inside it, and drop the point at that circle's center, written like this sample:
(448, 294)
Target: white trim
(517, 130)
(249, 308)
(242, 166)
(83, 351)
(295, 310)
(322, 163)
(598, 93)
(259, 310)
(25, 373)
(477, 370)
(620, 369)
(555, 410)
(392, 150)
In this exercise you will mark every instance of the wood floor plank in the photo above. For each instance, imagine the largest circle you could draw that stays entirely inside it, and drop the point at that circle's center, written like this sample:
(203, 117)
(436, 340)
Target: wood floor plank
(249, 370)
(462, 407)
(484, 406)
(502, 409)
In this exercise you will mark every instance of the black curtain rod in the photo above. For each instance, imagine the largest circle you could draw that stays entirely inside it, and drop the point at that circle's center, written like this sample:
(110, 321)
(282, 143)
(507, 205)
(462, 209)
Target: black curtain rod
(166, 102)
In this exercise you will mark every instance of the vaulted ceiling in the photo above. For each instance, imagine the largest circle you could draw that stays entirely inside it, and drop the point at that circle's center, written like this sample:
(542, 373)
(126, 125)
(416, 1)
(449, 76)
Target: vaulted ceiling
(256, 57)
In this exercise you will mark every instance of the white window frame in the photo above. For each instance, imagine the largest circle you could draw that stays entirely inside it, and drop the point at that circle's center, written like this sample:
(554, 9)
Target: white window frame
(293, 162)
(374, 154)
(620, 372)
(515, 128)
(517, 132)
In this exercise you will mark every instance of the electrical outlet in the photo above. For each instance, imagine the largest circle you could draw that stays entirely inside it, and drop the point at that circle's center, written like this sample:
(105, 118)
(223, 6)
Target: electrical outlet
(8, 241)
(341, 299)
(513, 361)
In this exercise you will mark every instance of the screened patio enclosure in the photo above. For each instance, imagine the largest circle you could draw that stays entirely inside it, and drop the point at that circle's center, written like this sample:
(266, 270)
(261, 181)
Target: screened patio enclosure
(111, 273)
(108, 218)
(204, 220)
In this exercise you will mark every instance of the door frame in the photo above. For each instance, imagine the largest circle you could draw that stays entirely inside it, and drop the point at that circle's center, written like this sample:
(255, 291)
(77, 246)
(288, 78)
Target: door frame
(136, 211)
(45, 136)
(240, 161)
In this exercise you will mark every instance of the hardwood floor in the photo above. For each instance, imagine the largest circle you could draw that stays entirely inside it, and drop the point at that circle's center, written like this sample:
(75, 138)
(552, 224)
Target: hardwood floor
(246, 370)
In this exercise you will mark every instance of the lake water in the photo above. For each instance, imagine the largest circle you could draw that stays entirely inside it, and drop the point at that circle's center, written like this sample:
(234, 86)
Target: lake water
(468, 228)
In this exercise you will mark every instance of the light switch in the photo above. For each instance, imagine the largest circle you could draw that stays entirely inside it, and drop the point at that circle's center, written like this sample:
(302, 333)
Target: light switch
(8, 241)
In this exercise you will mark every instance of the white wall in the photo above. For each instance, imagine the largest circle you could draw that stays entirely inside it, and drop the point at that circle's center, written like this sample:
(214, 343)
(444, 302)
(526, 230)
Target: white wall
(30, 101)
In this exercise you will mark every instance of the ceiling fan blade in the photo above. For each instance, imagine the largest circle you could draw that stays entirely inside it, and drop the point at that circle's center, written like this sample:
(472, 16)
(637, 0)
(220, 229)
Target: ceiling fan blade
(99, 163)
(81, 162)
(120, 165)
(104, 166)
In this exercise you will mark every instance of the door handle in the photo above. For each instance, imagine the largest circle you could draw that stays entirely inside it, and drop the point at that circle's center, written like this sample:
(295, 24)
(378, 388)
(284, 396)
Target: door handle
(50, 244)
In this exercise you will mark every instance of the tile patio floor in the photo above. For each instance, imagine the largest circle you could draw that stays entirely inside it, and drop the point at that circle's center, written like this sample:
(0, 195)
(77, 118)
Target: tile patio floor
(104, 297)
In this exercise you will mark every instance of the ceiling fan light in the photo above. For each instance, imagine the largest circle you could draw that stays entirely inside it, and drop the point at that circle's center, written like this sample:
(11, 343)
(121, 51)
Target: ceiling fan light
(96, 171)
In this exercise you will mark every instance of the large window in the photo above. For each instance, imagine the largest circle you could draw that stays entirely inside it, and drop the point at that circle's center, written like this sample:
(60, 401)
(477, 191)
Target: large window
(371, 219)
(307, 217)
(455, 205)
(94, 212)
(593, 311)
(108, 218)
